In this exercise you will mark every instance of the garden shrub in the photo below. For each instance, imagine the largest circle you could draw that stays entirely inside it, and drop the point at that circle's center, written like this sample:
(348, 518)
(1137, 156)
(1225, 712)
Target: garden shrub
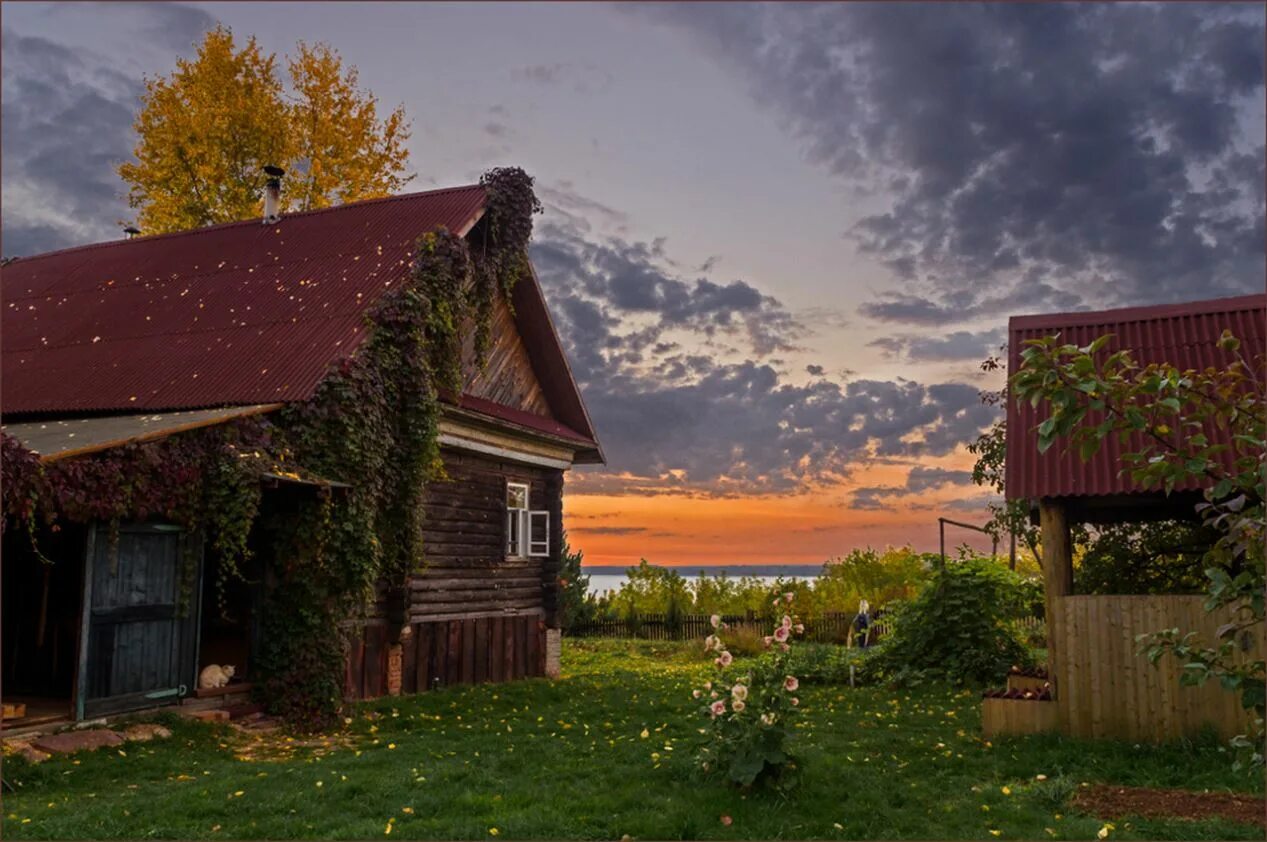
(745, 641)
(752, 709)
(959, 629)
(822, 663)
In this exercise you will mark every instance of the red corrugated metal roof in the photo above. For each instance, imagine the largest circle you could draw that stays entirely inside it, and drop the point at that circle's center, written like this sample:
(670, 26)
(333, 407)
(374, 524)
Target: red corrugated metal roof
(243, 313)
(1184, 335)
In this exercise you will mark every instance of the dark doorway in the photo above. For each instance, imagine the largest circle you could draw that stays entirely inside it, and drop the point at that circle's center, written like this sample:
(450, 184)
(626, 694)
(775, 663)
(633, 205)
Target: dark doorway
(41, 620)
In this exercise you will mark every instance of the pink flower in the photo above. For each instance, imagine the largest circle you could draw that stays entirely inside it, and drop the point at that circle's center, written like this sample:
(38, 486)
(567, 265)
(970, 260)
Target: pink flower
(718, 707)
(696, 693)
(738, 705)
(725, 659)
(787, 622)
(767, 640)
(788, 596)
(715, 620)
(710, 643)
(739, 692)
(775, 603)
(708, 685)
(767, 719)
(800, 628)
(786, 648)
(790, 683)
(780, 634)
(727, 820)
(795, 701)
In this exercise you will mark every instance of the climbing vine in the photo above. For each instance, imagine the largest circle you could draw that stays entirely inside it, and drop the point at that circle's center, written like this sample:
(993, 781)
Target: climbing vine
(372, 427)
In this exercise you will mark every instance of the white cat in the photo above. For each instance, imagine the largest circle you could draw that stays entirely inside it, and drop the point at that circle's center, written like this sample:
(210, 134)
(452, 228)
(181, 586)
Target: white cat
(214, 675)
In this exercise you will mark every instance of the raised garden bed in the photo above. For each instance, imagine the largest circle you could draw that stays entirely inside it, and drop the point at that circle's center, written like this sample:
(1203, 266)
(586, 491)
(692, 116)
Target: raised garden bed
(1002, 716)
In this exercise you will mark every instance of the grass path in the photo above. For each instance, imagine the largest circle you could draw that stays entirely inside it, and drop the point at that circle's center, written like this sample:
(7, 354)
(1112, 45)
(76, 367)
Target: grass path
(569, 760)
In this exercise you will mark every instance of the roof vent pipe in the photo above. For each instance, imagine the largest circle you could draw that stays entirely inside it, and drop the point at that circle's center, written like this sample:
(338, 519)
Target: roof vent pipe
(273, 194)
(132, 231)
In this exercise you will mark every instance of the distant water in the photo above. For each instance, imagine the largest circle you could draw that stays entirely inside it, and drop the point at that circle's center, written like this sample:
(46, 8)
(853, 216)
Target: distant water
(607, 578)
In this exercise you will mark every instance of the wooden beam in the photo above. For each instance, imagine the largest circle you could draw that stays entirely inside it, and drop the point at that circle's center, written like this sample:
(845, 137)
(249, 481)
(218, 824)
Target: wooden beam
(1057, 578)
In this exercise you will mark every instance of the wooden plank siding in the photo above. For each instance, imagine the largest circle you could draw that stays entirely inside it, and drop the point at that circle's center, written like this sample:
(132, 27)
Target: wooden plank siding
(474, 615)
(507, 377)
(1109, 690)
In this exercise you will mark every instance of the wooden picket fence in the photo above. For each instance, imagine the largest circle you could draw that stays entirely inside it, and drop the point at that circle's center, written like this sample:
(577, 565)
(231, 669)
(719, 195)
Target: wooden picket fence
(832, 627)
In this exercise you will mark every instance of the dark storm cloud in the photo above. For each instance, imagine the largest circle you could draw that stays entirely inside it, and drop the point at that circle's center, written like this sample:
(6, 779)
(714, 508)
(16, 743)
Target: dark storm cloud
(64, 123)
(950, 347)
(918, 481)
(1034, 156)
(66, 117)
(705, 423)
(635, 280)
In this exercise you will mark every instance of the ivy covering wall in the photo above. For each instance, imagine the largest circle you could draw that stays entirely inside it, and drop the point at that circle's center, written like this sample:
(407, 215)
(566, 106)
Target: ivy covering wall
(372, 424)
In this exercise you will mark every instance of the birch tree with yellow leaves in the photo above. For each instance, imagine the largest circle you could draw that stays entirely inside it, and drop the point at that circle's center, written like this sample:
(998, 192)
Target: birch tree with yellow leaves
(206, 132)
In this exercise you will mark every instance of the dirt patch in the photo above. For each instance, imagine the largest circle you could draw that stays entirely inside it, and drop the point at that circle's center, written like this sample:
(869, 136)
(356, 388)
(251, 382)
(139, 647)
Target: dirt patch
(1111, 802)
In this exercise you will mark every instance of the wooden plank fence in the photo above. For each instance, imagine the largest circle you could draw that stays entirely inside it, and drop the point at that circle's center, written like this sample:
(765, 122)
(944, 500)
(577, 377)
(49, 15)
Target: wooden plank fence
(832, 627)
(1106, 688)
(470, 650)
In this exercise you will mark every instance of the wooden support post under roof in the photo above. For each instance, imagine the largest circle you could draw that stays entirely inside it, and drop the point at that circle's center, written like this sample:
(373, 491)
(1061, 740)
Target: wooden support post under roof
(1057, 578)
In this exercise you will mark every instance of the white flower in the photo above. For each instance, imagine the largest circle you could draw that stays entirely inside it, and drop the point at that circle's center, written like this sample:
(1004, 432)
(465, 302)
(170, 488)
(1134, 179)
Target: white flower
(715, 620)
(739, 692)
(708, 685)
(800, 628)
(790, 683)
(738, 705)
(710, 643)
(696, 693)
(795, 701)
(788, 596)
(767, 719)
(767, 640)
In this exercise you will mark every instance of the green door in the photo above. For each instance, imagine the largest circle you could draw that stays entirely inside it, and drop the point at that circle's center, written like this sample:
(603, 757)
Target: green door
(139, 641)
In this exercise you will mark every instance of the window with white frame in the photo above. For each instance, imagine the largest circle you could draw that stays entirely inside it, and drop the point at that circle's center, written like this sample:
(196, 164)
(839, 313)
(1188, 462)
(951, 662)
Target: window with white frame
(527, 530)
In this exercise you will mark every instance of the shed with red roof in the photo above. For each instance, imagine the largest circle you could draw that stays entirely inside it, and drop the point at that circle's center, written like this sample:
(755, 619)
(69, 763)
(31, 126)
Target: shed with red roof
(1102, 685)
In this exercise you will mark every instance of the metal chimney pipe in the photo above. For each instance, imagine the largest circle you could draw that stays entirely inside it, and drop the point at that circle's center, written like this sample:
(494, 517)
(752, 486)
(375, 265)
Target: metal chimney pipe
(273, 194)
(132, 231)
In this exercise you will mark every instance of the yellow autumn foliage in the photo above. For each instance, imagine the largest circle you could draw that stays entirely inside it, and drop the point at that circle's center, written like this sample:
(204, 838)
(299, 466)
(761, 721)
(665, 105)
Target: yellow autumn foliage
(207, 130)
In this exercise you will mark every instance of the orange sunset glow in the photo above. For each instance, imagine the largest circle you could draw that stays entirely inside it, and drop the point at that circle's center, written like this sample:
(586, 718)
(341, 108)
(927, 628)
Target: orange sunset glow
(809, 528)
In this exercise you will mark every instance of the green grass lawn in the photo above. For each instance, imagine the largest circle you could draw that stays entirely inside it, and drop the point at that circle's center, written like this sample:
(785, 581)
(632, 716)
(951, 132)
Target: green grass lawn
(603, 753)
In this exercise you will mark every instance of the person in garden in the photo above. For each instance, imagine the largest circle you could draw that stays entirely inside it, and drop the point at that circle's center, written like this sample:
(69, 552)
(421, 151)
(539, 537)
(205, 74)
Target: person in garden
(862, 624)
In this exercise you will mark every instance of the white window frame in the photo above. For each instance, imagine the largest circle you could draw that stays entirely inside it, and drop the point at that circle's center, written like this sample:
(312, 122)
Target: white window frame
(516, 520)
(538, 548)
(520, 524)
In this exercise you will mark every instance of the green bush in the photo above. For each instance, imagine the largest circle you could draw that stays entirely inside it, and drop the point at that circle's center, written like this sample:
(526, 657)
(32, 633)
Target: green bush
(960, 628)
(576, 606)
(823, 663)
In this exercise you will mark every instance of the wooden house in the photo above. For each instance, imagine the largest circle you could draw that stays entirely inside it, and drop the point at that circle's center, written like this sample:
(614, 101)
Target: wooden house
(1103, 686)
(151, 337)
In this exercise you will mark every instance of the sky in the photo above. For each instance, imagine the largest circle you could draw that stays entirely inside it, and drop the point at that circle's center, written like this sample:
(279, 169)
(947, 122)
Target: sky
(779, 239)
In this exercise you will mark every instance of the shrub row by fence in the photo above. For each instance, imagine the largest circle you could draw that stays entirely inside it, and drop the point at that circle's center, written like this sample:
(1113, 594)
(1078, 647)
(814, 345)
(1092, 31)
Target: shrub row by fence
(830, 628)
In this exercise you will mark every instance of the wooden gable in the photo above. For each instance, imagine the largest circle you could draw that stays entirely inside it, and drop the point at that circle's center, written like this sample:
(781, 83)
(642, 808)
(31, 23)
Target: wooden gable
(507, 377)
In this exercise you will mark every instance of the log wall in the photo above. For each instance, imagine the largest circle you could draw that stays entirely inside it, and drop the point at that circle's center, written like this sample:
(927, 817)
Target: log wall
(472, 614)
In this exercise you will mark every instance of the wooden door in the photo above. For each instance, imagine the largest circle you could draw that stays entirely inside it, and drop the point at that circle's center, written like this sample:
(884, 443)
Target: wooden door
(139, 642)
